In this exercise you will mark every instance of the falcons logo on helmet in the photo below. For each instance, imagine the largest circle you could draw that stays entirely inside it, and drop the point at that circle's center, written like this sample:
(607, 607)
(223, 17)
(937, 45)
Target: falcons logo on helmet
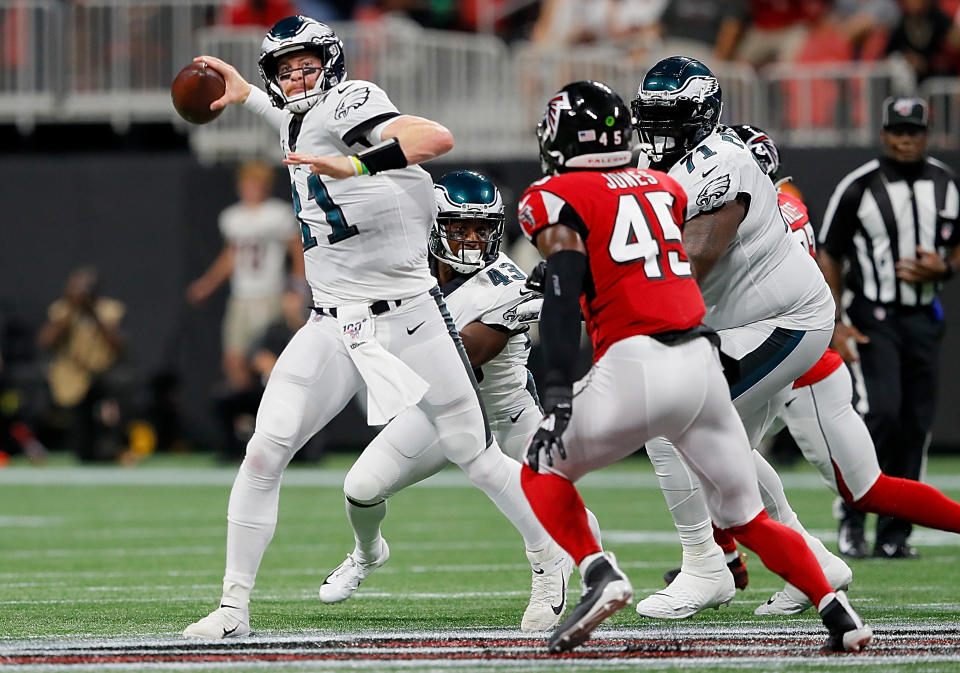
(353, 100)
(557, 104)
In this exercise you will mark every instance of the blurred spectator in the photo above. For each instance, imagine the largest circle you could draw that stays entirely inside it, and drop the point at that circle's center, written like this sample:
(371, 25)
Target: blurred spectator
(770, 31)
(568, 22)
(236, 409)
(326, 12)
(258, 231)
(920, 37)
(633, 25)
(258, 12)
(700, 29)
(865, 24)
(82, 333)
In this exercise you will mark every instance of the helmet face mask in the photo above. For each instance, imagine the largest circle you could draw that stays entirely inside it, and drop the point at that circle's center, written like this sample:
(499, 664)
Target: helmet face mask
(470, 221)
(300, 35)
(678, 104)
(586, 126)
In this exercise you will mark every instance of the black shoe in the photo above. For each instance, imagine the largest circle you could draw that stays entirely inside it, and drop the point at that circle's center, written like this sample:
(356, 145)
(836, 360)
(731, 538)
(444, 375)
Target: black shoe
(891, 550)
(737, 568)
(847, 632)
(850, 540)
(606, 591)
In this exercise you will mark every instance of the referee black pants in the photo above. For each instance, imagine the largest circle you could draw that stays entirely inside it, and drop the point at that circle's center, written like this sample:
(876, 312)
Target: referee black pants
(900, 372)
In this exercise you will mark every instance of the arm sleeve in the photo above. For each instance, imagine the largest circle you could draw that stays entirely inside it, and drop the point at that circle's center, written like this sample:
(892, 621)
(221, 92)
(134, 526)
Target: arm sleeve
(259, 102)
(840, 221)
(360, 109)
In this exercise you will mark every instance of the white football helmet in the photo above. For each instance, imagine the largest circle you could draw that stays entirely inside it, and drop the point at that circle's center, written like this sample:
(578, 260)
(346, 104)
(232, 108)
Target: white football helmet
(299, 33)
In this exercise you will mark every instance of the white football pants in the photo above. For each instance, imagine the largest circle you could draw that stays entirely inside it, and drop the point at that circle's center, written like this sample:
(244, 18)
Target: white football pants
(313, 380)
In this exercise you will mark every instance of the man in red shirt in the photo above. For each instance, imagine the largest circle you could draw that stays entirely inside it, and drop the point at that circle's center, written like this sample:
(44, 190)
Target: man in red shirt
(258, 12)
(611, 236)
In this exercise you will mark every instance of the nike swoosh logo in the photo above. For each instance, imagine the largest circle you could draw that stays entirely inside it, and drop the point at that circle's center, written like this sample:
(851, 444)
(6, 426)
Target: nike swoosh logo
(706, 173)
(513, 419)
(539, 572)
(787, 404)
(233, 607)
(524, 293)
(557, 609)
(340, 91)
(227, 633)
(411, 330)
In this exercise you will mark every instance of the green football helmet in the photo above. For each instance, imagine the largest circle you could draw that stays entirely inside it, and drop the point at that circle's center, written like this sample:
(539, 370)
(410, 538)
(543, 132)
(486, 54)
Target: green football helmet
(467, 197)
(678, 104)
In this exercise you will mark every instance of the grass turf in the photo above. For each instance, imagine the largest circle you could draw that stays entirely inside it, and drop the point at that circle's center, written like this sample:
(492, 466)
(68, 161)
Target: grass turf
(108, 559)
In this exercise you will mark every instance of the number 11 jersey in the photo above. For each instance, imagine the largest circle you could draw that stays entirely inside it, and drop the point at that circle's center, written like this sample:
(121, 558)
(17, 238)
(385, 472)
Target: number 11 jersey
(364, 237)
(639, 276)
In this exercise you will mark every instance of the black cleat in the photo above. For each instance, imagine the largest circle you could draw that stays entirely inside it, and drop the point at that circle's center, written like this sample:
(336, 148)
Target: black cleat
(848, 633)
(738, 568)
(888, 550)
(606, 592)
(850, 540)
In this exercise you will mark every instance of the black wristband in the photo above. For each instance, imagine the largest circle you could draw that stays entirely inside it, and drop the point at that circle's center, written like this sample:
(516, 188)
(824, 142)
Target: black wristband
(560, 315)
(383, 157)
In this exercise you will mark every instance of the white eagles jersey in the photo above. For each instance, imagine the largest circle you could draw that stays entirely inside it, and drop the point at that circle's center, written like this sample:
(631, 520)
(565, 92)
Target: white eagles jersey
(764, 274)
(258, 235)
(362, 236)
(496, 296)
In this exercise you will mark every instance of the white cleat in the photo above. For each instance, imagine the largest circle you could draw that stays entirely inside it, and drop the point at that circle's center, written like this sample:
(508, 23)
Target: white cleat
(792, 601)
(224, 622)
(548, 589)
(346, 577)
(696, 588)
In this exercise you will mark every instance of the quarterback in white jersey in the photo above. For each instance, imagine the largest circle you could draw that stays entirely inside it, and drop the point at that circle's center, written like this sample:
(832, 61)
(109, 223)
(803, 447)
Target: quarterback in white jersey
(379, 322)
(485, 294)
(765, 297)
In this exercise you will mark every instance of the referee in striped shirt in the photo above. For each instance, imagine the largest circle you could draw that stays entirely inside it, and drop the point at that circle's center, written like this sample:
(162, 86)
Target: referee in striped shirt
(893, 221)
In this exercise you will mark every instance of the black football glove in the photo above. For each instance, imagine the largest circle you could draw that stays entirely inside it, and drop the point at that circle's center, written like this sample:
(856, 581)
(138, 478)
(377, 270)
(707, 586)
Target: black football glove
(557, 408)
(536, 277)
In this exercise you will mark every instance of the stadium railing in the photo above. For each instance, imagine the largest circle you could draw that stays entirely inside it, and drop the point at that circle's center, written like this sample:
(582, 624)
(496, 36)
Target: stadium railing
(943, 95)
(113, 61)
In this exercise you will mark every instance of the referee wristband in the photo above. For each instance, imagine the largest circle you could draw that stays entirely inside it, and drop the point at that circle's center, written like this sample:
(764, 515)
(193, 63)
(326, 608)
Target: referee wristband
(383, 157)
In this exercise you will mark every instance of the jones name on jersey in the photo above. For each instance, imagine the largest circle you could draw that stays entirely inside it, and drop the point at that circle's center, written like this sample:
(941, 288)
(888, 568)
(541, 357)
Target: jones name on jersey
(362, 236)
(763, 275)
(496, 297)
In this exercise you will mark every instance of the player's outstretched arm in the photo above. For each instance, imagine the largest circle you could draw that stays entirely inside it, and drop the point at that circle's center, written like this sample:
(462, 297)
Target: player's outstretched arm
(237, 88)
(407, 141)
(420, 139)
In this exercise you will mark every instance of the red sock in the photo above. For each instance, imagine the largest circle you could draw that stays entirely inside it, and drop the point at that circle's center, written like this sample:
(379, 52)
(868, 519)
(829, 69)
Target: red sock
(784, 552)
(725, 540)
(560, 510)
(913, 501)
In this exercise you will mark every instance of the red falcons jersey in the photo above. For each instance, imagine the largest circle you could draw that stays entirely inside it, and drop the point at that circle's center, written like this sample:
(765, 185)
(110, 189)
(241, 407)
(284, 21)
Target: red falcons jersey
(630, 221)
(798, 219)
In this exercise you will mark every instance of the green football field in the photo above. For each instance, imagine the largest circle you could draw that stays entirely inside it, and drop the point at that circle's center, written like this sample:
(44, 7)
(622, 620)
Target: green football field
(102, 567)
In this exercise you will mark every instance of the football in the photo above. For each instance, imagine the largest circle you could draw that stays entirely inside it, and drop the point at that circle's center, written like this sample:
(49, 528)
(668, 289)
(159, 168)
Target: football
(193, 89)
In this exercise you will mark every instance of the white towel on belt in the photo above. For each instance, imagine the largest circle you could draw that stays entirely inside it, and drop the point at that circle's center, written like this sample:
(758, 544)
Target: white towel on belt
(391, 385)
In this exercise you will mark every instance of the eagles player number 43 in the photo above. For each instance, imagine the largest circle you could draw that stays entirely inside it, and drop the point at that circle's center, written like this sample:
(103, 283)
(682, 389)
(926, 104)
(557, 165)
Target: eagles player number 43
(633, 238)
(318, 192)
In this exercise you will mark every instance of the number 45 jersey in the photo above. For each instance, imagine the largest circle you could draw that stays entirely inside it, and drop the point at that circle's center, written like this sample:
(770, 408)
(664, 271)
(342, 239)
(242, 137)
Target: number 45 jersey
(363, 237)
(630, 220)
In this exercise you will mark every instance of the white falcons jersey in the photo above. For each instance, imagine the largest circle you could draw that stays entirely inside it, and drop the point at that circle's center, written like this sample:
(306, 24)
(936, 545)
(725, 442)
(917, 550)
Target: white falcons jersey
(496, 297)
(258, 235)
(764, 274)
(362, 236)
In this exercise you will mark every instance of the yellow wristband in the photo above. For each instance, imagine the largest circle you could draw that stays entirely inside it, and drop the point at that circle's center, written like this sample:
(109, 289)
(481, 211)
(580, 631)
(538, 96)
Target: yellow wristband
(358, 166)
